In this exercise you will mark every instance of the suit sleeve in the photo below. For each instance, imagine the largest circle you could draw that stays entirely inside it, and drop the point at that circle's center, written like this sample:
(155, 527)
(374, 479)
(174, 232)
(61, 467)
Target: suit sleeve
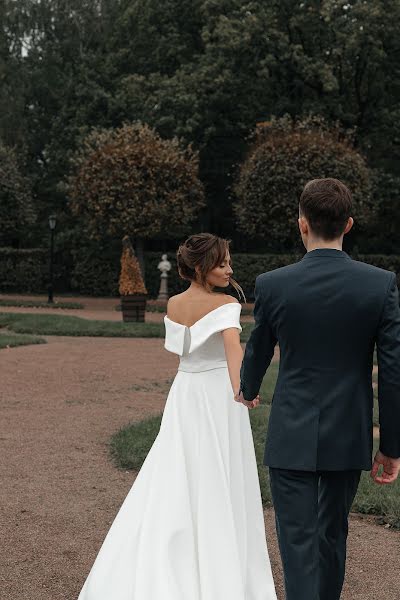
(388, 350)
(259, 349)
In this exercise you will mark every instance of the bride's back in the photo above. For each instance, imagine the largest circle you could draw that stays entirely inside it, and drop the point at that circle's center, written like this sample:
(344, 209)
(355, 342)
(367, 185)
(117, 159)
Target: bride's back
(189, 307)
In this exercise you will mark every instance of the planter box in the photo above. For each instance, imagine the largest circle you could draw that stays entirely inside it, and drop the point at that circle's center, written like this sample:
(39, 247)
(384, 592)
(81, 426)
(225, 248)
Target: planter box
(133, 307)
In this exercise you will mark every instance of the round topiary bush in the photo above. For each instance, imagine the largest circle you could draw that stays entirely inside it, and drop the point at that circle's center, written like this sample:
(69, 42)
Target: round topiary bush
(130, 181)
(284, 155)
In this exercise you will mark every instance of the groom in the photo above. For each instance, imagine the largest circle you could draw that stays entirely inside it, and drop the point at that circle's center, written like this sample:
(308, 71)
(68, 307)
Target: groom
(327, 312)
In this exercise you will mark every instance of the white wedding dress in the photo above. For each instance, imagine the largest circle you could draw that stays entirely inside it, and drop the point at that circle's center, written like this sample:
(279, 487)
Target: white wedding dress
(192, 526)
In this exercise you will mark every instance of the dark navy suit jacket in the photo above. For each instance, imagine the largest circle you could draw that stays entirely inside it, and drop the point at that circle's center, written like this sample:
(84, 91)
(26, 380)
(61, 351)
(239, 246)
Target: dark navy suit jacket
(328, 313)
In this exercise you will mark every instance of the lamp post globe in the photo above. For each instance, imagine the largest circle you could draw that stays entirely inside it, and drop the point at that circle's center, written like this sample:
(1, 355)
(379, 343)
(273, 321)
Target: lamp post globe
(52, 221)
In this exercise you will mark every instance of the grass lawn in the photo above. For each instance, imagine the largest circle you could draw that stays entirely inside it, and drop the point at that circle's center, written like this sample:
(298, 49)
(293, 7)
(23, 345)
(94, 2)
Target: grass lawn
(39, 304)
(129, 447)
(45, 324)
(11, 341)
(376, 406)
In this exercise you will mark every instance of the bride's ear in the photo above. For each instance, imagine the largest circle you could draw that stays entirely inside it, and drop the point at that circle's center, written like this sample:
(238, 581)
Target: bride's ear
(197, 272)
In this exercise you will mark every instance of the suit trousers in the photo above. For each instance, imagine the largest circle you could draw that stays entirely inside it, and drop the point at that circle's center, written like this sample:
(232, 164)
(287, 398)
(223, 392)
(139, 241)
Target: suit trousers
(311, 515)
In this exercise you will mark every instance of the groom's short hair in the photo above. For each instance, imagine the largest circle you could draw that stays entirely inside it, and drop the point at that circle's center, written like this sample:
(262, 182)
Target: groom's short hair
(327, 205)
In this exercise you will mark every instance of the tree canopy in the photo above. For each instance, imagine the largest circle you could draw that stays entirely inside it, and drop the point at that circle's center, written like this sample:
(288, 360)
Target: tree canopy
(17, 209)
(202, 70)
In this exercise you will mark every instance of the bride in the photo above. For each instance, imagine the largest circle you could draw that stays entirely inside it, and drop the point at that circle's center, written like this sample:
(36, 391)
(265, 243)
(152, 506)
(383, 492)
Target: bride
(192, 526)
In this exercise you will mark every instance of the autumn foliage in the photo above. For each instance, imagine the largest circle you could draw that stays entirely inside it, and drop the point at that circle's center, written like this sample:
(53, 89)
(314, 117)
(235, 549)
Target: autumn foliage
(130, 279)
(283, 157)
(131, 181)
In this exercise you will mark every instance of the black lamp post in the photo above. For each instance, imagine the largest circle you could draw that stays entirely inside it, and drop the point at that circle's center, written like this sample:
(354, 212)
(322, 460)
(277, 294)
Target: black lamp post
(52, 225)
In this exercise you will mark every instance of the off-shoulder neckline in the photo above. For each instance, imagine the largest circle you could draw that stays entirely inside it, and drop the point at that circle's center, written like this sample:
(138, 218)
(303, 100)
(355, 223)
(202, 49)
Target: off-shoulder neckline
(204, 316)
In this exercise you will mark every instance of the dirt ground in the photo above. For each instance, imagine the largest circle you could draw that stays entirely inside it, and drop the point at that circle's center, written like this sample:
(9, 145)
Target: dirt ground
(59, 492)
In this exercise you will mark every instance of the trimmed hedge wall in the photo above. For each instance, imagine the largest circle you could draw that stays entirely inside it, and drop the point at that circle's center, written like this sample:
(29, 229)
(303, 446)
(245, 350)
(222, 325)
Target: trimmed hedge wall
(26, 270)
(246, 267)
(96, 274)
(23, 270)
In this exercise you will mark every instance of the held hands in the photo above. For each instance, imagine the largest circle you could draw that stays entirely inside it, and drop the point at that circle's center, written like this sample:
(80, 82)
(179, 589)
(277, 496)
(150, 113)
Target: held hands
(391, 468)
(249, 403)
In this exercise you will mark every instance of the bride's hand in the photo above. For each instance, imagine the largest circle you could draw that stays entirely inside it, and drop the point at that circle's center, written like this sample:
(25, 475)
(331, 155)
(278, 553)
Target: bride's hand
(256, 401)
(252, 403)
(248, 403)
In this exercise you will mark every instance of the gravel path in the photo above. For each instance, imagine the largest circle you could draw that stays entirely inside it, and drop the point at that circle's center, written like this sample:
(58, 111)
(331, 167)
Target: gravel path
(59, 492)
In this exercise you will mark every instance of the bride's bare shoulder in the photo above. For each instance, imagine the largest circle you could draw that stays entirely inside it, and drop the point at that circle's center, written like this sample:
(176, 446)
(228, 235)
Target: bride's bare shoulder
(181, 306)
(175, 304)
(175, 300)
(229, 299)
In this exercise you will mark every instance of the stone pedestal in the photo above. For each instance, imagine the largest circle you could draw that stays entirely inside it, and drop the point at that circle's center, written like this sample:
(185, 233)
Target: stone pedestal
(163, 293)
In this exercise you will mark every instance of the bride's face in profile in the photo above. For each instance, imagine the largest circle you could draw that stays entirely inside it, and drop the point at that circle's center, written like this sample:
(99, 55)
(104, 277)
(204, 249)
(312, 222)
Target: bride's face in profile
(219, 276)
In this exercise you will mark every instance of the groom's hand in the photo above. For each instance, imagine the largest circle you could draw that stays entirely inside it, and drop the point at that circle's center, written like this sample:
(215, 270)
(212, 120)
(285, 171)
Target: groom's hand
(391, 468)
(248, 403)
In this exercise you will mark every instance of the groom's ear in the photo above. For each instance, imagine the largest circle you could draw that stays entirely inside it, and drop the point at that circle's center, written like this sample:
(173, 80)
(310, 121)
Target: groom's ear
(303, 225)
(349, 225)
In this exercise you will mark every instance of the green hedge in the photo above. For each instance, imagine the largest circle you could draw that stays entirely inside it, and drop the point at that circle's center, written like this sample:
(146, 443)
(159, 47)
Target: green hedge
(246, 267)
(98, 275)
(96, 272)
(23, 270)
(27, 271)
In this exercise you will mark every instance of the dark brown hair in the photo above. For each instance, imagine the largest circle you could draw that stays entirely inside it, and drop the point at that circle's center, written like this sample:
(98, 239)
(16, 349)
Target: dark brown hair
(206, 251)
(327, 205)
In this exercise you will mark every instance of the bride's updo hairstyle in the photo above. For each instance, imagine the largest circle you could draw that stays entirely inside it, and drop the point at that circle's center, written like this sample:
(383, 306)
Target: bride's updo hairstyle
(205, 251)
